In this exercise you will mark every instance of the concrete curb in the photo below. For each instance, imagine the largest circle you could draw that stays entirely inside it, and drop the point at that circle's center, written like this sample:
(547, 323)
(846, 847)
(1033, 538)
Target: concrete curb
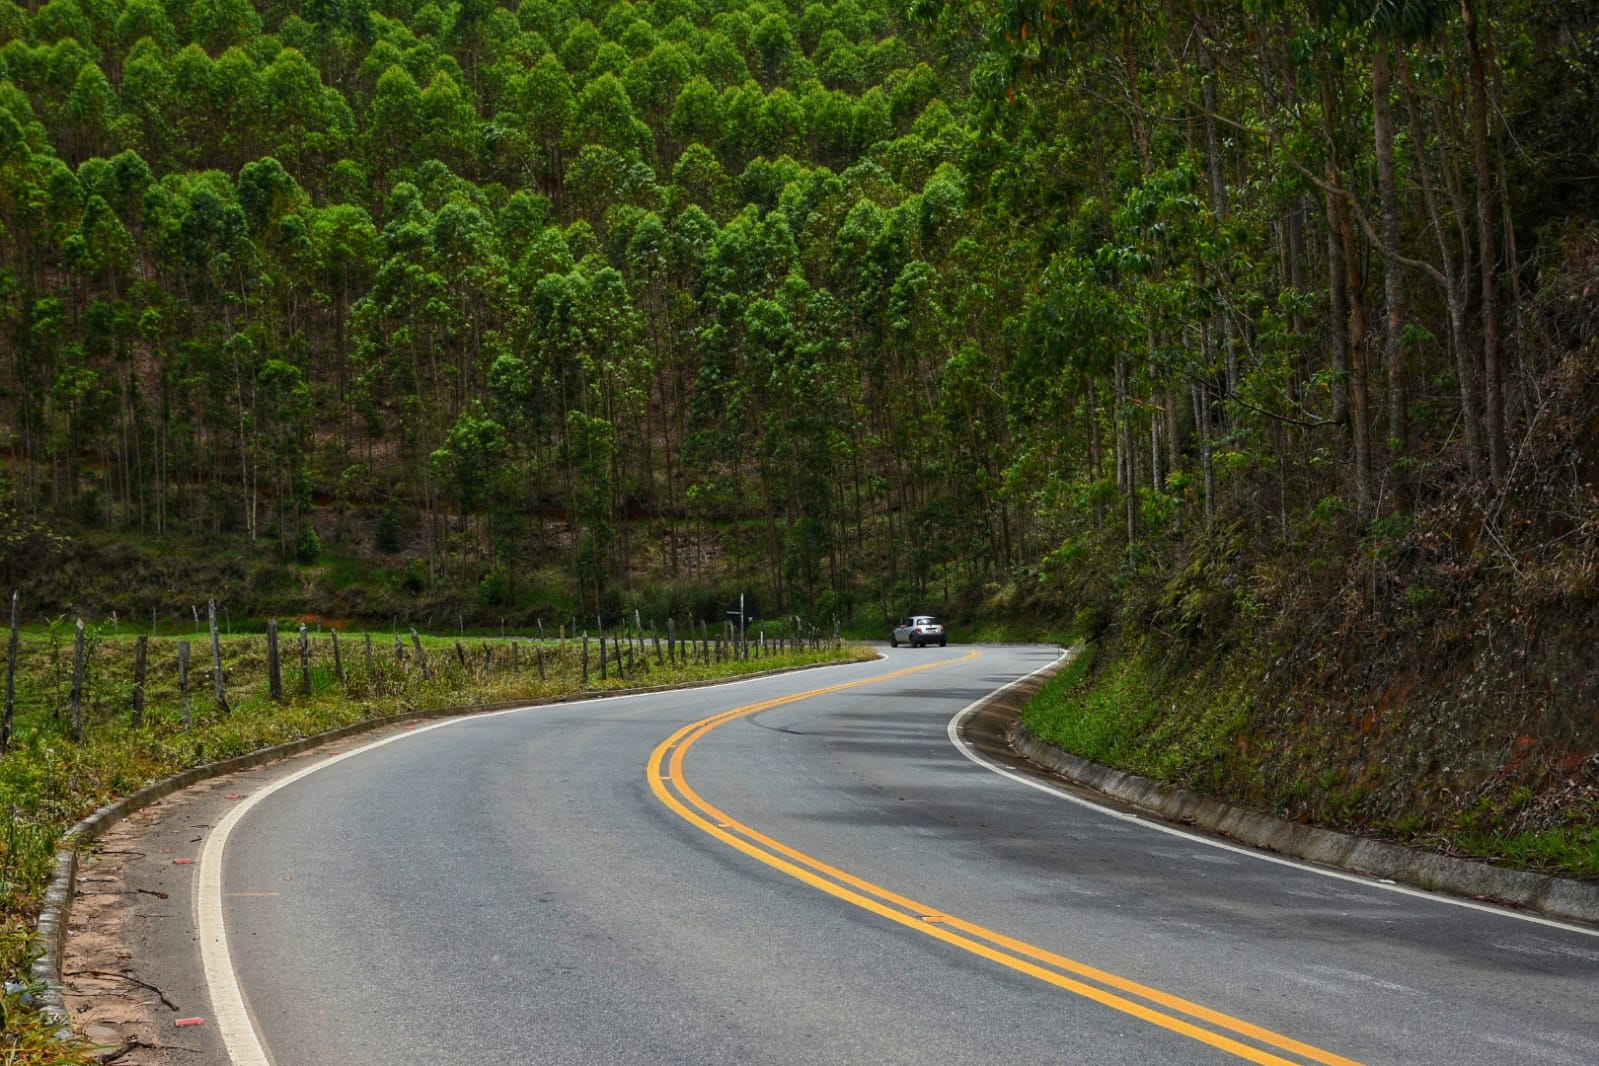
(50, 932)
(1555, 897)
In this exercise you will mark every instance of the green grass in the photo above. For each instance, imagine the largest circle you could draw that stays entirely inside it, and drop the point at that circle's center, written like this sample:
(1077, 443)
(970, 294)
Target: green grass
(1567, 851)
(1101, 714)
(1201, 730)
(49, 781)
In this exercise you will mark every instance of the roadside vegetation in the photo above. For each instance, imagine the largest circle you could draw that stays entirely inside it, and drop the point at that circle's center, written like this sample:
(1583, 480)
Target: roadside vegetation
(49, 780)
(1240, 730)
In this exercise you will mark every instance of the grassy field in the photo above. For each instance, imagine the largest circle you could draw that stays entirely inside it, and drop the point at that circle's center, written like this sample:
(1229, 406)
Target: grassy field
(68, 757)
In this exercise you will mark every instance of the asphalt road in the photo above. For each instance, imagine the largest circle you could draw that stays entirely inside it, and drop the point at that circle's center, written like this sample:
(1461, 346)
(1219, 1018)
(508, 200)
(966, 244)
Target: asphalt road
(824, 880)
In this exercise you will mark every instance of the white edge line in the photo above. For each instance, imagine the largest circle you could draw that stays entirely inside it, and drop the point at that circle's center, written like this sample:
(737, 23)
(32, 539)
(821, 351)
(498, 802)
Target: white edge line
(232, 1016)
(955, 738)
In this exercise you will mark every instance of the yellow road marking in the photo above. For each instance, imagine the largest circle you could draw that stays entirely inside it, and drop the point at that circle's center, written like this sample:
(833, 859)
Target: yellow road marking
(1007, 951)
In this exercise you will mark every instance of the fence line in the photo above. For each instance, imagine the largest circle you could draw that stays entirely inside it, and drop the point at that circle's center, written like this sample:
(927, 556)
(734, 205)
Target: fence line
(624, 654)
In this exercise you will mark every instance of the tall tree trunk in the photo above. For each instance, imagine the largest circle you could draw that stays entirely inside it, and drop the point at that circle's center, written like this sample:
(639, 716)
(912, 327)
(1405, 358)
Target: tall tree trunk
(1337, 315)
(1294, 237)
(1096, 448)
(1359, 389)
(1126, 473)
(1455, 285)
(1487, 251)
(1347, 308)
(1218, 193)
(1170, 400)
(1393, 270)
(1201, 396)
(1135, 100)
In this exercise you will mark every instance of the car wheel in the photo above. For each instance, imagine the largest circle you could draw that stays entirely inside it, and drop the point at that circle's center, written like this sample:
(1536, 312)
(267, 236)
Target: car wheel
(916, 644)
(893, 642)
(943, 643)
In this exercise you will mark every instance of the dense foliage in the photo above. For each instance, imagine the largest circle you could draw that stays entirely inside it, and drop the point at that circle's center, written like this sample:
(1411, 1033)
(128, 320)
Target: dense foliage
(917, 298)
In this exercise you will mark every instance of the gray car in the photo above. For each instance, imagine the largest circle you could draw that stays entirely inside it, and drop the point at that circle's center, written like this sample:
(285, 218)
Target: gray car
(918, 631)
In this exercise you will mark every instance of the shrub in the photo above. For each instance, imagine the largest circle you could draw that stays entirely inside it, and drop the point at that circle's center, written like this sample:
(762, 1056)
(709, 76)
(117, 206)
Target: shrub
(413, 579)
(307, 546)
(387, 533)
(494, 588)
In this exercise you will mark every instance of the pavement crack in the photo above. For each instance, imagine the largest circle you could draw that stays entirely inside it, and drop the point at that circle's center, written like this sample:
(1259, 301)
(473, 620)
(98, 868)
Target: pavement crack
(115, 976)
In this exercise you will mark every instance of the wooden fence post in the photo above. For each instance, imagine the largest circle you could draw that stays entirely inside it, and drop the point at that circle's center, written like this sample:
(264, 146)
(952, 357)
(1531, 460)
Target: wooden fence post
(371, 669)
(141, 651)
(305, 662)
(602, 657)
(274, 662)
(216, 658)
(183, 683)
(338, 660)
(77, 683)
(421, 656)
(538, 650)
(11, 680)
(585, 658)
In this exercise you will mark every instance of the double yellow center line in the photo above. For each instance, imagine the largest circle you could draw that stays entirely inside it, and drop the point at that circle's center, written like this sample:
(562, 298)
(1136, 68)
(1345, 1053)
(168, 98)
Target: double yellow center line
(1249, 1042)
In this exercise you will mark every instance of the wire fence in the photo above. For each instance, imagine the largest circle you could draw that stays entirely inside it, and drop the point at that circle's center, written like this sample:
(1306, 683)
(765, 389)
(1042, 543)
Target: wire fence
(70, 675)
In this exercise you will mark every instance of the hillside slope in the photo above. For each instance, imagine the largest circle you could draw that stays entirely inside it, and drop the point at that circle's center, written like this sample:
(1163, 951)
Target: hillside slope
(1440, 686)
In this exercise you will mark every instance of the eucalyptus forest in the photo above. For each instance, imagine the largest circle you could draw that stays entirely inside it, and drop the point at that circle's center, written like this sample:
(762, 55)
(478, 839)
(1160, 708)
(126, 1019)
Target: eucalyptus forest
(1263, 325)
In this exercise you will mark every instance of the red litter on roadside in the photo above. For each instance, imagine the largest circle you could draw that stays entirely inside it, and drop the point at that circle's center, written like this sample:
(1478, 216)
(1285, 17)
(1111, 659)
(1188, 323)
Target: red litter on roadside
(189, 1021)
(182, 862)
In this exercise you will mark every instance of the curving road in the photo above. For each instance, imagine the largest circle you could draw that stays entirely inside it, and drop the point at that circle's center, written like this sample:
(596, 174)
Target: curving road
(819, 879)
